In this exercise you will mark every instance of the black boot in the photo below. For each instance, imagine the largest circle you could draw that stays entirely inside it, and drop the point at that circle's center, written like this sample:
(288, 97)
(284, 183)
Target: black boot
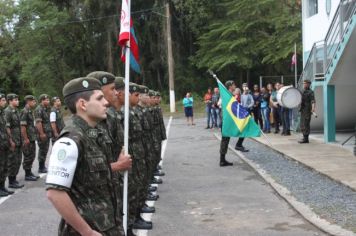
(157, 181)
(223, 161)
(29, 176)
(147, 209)
(2, 188)
(305, 139)
(3, 193)
(152, 189)
(42, 168)
(13, 183)
(152, 197)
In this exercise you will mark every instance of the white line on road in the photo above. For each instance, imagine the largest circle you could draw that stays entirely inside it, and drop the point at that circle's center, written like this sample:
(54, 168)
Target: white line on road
(148, 217)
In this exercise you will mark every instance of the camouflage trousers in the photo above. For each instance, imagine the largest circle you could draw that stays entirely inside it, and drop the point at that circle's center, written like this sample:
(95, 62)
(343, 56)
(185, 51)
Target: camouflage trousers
(305, 123)
(136, 188)
(224, 145)
(67, 230)
(29, 155)
(14, 161)
(43, 150)
(3, 166)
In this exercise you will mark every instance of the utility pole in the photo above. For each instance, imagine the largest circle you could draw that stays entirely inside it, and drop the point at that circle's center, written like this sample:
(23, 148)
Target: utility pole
(172, 100)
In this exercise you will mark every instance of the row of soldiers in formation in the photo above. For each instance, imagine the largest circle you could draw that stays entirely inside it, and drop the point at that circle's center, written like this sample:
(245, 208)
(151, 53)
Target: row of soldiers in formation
(87, 161)
(19, 132)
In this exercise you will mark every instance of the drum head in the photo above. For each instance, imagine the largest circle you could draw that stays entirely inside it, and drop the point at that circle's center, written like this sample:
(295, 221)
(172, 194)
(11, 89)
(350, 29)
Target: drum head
(291, 97)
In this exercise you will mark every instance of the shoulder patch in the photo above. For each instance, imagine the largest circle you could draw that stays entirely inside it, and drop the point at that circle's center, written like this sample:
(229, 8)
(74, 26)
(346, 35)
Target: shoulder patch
(62, 162)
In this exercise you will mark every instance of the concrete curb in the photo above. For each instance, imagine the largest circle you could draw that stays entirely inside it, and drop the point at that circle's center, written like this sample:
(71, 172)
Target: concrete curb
(300, 207)
(305, 165)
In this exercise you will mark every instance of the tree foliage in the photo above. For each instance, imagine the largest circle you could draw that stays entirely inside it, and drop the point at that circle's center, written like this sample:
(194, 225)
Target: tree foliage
(45, 43)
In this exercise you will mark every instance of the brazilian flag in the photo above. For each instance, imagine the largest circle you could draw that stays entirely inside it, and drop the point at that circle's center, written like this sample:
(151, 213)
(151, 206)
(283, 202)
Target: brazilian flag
(237, 121)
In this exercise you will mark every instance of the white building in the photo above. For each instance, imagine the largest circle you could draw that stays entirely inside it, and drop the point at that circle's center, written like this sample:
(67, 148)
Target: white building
(329, 60)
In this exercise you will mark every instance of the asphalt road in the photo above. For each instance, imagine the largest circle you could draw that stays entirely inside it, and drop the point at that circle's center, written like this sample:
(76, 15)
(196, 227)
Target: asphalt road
(197, 197)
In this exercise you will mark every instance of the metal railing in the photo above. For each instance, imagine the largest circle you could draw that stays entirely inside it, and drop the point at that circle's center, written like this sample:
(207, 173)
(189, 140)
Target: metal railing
(323, 52)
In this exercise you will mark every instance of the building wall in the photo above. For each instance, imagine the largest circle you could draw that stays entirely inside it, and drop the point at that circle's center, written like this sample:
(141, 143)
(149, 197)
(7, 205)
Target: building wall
(315, 27)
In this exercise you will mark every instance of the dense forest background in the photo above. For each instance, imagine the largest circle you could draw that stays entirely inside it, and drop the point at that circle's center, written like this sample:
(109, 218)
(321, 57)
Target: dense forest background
(45, 43)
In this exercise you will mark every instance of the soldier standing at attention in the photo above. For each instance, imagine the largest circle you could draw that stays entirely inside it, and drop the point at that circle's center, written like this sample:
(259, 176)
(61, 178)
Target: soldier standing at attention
(44, 130)
(4, 143)
(306, 109)
(28, 132)
(56, 118)
(12, 116)
(79, 181)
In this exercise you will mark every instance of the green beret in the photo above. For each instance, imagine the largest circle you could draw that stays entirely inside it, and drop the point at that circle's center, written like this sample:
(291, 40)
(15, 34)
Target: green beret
(119, 82)
(43, 97)
(103, 76)
(29, 98)
(134, 88)
(158, 94)
(55, 98)
(307, 81)
(143, 89)
(81, 85)
(151, 93)
(229, 83)
(2, 96)
(11, 96)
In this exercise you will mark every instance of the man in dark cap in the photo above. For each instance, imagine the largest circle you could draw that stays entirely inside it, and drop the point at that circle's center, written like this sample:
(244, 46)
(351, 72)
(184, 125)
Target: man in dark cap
(56, 118)
(12, 116)
(44, 130)
(307, 107)
(80, 178)
(4, 149)
(28, 132)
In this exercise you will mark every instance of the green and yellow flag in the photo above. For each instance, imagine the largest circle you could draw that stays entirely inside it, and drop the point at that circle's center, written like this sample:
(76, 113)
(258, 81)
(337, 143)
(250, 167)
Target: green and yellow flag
(237, 121)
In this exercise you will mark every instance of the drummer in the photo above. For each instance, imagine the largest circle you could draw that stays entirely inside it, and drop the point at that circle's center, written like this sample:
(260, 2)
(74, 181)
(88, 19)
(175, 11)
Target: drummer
(284, 112)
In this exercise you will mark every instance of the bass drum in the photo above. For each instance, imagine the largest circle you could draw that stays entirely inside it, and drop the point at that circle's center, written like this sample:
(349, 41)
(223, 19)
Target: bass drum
(289, 97)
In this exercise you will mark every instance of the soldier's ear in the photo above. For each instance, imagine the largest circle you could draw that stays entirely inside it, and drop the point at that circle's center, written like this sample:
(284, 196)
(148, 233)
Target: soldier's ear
(81, 104)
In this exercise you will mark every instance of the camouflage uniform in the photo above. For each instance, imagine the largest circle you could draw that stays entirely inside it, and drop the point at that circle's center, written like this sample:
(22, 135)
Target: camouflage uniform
(59, 121)
(12, 117)
(29, 151)
(42, 115)
(306, 111)
(4, 148)
(91, 190)
(157, 133)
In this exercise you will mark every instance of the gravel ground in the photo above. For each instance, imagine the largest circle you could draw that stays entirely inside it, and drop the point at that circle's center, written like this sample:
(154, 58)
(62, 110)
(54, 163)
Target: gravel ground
(329, 199)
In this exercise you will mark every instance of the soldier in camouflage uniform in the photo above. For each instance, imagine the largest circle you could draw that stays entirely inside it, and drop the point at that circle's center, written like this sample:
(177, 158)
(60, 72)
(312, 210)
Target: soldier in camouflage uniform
(56, 118)
(12, 116)
(307, 107)
(44, 130)
(80, 178)
(138, 175)
(4, 149)
(115, 130)
(28, 132)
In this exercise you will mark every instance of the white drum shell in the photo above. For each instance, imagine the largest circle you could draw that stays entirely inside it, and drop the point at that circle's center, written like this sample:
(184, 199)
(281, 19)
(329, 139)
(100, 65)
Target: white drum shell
(289, 97)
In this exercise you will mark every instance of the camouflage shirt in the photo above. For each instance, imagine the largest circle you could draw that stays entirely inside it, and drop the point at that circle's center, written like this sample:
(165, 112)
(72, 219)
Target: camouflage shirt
(4, 140)
(27, 119)
(59, 119)
(12, 117)
(307, 100)
(86, 176)
(42, 115)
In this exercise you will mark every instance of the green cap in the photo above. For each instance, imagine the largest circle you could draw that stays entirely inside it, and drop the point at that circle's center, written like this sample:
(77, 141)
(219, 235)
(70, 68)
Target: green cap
(143, 89)
(307, 81)
(151, 93)
(134, 88)
(81, 85)
(11, 96)
(43, 97)
(29, 98)
(55, 98)
(229, 83)
(2, 96)
(103, 76)
(119, 83)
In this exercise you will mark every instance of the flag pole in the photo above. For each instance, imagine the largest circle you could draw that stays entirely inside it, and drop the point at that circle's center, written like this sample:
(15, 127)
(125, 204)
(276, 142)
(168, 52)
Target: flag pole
(126, 122)
(295, 66)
